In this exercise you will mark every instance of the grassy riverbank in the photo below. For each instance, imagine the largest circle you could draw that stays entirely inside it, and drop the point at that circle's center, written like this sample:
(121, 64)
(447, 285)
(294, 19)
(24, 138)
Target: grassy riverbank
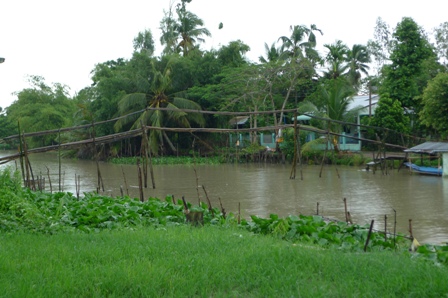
(210, 261)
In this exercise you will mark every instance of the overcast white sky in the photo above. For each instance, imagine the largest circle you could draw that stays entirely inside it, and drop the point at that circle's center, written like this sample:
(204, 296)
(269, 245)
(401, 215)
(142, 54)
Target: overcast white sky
(63, 40)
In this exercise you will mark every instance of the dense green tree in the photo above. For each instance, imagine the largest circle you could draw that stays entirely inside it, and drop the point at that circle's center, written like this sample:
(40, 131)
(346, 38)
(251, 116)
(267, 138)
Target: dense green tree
(42, 107)
(410, 49)
(391, 115)
(232, 55)
(435, 105)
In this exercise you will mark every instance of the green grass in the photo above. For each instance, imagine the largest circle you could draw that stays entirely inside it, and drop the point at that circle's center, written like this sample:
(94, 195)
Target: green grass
(211, 261)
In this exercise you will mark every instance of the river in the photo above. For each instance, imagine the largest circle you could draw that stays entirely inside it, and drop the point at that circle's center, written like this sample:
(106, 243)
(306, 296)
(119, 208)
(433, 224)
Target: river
(261, 189)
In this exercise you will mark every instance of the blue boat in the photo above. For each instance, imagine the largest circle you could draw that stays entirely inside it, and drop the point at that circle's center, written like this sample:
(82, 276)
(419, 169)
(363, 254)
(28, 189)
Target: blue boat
(424, 170)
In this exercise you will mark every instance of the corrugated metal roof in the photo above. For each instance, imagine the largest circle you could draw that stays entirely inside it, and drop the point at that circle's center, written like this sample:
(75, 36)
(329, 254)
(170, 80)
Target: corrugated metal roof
(429, 148)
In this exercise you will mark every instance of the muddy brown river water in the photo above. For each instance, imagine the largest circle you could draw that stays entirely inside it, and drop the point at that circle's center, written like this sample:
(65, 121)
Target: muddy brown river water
(261, 189)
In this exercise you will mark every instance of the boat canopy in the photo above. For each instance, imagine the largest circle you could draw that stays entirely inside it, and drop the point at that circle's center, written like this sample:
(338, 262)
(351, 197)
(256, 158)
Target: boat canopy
(429, 148)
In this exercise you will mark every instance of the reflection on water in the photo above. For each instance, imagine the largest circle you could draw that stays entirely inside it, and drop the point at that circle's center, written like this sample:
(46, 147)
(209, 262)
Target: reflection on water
(262, 189)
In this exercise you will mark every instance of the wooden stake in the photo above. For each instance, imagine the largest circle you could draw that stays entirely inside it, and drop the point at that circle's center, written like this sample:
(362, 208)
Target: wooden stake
(368, 235)
(223, 211)
(385, 227)
(239, 213)
(49, 179)
(208, 200)
(317, 208)
(410, 229)
(345, 207)
(140, 182)
(395, 224)
(292, 175)
(125, 181)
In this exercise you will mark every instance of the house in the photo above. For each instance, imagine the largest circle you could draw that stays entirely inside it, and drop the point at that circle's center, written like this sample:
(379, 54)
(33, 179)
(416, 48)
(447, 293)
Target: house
(266, 139)
(365, 106)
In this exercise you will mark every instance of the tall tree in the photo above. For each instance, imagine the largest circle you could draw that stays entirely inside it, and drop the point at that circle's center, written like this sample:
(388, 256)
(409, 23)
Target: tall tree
(42, 107)
(409, 49)
(272, 53)
(435, 105)
(184, 34)
(358, 59)
(144, 43)
(441, 37)
(302, 43)
(158, 97)
(336, 60)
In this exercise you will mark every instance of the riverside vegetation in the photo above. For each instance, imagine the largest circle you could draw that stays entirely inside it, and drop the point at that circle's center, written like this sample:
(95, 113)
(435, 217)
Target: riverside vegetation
(59, 245)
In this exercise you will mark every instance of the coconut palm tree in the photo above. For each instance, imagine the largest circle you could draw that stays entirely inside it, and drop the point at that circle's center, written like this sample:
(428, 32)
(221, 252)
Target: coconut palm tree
(357, 58)
(272, 53)
(336, 60)
(189, 31)
(301, 43)
(182, 35)
(157, 98)
(334, 101)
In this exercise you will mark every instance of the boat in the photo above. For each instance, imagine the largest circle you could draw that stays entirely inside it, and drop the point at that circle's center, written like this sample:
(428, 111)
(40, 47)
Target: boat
(424, 170)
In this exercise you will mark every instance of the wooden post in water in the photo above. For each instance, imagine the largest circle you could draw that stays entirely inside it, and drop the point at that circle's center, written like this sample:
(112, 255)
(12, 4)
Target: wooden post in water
(140, 182)
(151, 171)
(317, 209)
(345, 208)
(125, 181)
(49, 179)
(368, 235)
(59, 160)
(22, 164)
(100, 178)
(395, 224)
(239, 213)
(326, 149)
(292, 175)
(385, 227)
(410, 229)
(144, 153)
(195, 172)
